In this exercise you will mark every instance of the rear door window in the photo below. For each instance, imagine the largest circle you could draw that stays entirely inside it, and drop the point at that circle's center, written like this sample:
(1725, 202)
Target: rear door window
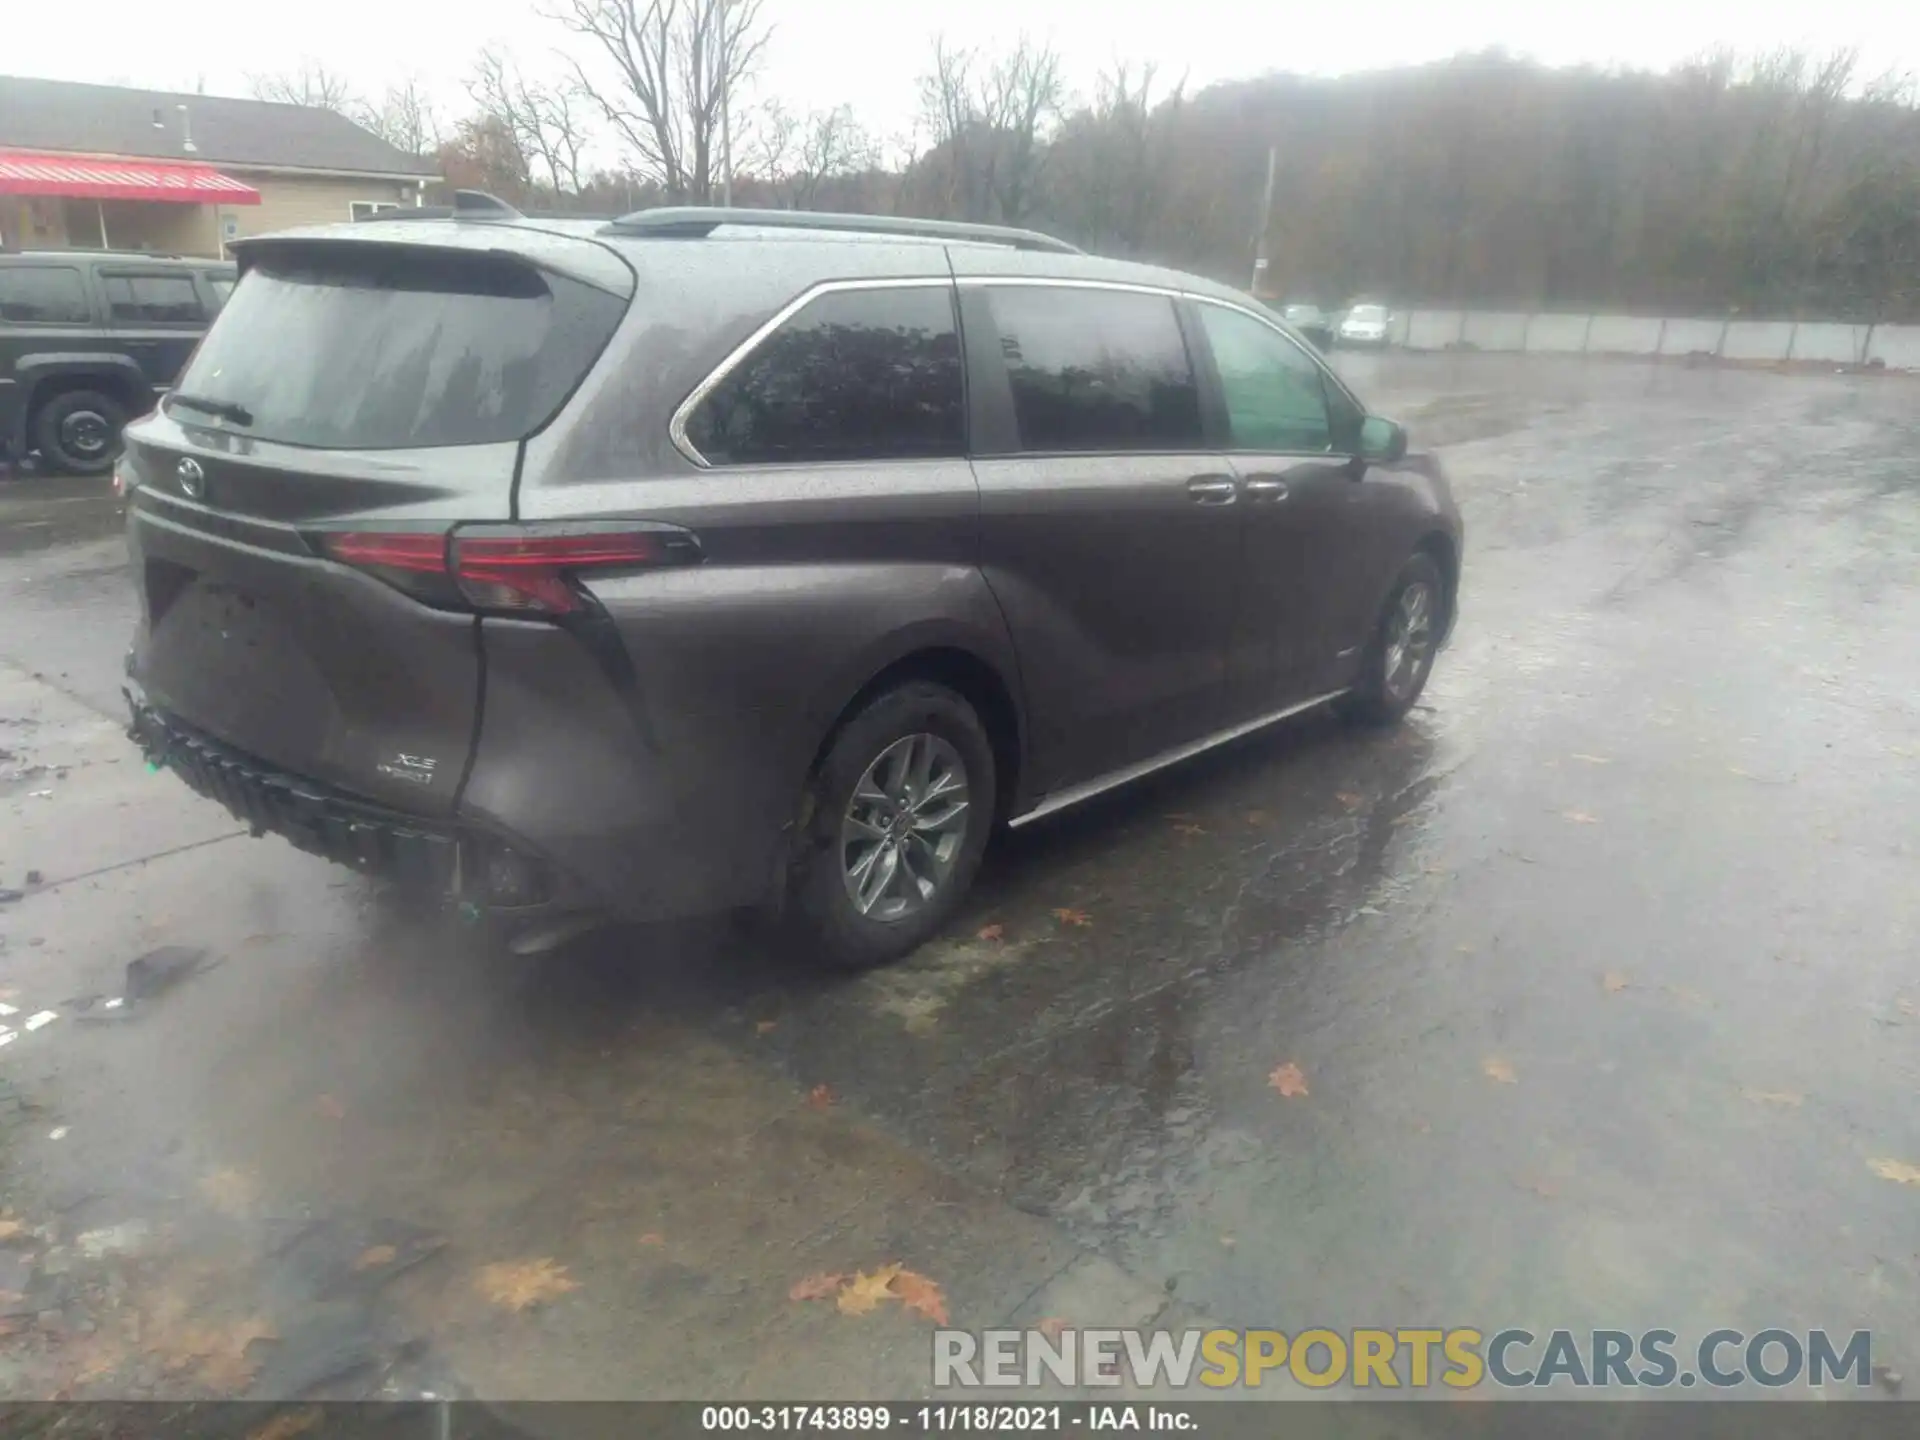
(868, 374)
(43, 295)
(1096, 370)
(153, 300)
(398, 347)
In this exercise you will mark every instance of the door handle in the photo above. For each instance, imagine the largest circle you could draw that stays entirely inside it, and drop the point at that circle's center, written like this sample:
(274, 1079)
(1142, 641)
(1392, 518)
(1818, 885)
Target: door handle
(1213, 489)
(1266, 487)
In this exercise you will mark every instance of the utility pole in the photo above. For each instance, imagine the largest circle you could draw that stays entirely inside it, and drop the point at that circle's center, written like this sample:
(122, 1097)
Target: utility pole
(726, 108)
(1260, 234)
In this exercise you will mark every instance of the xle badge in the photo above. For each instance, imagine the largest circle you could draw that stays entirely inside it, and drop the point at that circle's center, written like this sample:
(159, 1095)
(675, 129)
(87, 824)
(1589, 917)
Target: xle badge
(414, 769)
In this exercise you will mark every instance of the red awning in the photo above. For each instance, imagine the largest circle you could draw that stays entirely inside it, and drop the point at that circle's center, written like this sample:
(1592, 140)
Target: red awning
(86, 177)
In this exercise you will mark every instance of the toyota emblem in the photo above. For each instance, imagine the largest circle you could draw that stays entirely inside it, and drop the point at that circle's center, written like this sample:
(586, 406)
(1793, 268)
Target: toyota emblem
(193, 480)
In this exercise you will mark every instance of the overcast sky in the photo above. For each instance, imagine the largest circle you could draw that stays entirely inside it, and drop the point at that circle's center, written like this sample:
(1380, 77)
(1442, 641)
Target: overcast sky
(867, 53)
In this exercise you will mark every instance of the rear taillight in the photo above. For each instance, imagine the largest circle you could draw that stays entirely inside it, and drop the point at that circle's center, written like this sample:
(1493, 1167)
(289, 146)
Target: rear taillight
(515, 569)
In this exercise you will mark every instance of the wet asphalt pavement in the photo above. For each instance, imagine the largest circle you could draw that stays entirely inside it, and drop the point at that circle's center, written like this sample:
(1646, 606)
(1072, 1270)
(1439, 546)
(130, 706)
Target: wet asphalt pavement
(1602, 975)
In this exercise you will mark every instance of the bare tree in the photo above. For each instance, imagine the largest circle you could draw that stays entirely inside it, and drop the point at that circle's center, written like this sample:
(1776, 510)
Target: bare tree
(406, 119)
(1022, 99)
(312, 84)
(547, 121)
(672, 64)
(990, 122)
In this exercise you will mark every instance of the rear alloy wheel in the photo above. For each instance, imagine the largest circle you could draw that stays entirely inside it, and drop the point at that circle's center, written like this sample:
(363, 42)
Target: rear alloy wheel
(79, 431)
(1400, 656)
(899, 813)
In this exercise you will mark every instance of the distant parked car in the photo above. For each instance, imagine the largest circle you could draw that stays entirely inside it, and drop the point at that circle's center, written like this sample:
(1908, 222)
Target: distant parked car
(1312, 322)
(1364, 324)
(88, 340)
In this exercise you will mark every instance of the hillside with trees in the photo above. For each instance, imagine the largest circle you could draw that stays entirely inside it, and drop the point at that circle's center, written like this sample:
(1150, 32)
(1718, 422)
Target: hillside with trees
(1781, 185)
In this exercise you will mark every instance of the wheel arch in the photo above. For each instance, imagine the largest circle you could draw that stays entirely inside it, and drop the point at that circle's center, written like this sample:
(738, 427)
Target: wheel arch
(962, 668)
(43, 378)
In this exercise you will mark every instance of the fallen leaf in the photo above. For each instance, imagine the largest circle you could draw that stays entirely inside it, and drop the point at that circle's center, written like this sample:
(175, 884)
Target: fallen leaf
(1772, 1097)
(1188, 830)
(1591, 759)
(1256, 817)
(1906, 1006)
(259, 937)
(1229, 1241)
(224, 1364)
(1288, 1080)
(1578, 817)
(992, 934)
(231, 1191)
(287, 1424)
(330, 1107)
(1497, 1069)
(522, 1284)
(820, 1097)
(374, 1256)
(866, 1290)
(11, 1229)
(1614, 982)
(1348, 799)
(1053, 1327)
(1466, 949)
(1545, 1189)
(653, 1237)
(1073, 917)
(921, 1295)
(817, 1287)
(1897, 1171)
(764, 1027)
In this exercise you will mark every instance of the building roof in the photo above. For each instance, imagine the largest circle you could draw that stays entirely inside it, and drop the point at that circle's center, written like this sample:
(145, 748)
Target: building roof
(57, 115)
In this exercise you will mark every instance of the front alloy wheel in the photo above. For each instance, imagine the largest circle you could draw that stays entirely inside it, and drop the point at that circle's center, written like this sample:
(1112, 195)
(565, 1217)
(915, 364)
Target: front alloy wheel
(1409, 641)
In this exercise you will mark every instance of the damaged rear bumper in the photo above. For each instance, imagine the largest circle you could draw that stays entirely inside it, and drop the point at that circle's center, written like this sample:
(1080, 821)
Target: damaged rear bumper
(453, 862)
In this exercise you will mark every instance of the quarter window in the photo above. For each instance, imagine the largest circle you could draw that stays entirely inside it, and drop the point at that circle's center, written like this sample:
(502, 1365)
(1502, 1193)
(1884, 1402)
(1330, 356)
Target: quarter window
(853, 375)
(1096, 370)
(1275, 400)
(153, 300)
(43, 295)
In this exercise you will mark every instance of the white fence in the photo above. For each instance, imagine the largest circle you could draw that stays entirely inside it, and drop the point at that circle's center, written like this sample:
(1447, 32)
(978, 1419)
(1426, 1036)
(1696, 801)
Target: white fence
(1820, 342)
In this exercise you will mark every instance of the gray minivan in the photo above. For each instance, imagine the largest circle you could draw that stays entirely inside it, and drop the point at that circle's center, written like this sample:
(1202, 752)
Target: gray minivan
(716, 559)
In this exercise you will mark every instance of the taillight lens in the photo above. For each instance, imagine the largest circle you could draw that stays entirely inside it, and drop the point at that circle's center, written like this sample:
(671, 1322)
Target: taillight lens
(518, 569)
(524, 571)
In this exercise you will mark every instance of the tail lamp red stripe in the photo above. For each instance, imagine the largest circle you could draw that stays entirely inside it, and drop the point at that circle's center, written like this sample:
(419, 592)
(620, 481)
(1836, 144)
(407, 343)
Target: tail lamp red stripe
(524, 571)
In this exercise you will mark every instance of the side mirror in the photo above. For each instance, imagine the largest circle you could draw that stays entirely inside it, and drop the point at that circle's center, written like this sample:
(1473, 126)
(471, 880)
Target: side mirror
(1381, 441)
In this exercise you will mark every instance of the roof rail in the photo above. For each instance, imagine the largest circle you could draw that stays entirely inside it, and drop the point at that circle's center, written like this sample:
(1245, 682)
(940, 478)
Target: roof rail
(467, 205)
(699, 221)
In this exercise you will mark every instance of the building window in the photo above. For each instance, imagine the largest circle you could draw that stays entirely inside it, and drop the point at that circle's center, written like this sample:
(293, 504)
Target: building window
(367, 209)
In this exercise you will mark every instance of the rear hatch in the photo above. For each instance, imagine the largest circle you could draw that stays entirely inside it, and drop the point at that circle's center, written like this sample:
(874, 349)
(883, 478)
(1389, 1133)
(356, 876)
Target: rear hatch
(290, 505)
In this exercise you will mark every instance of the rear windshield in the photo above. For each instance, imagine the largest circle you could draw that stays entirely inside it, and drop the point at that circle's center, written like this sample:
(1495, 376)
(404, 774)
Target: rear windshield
(398, 348)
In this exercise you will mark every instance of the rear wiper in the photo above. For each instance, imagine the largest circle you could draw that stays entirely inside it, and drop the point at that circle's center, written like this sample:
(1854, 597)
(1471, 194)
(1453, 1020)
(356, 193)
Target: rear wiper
(223, 409)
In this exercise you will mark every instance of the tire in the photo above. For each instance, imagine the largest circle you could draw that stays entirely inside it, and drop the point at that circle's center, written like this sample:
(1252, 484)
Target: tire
(78, 431)
(938, 736)
(1391, 679)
